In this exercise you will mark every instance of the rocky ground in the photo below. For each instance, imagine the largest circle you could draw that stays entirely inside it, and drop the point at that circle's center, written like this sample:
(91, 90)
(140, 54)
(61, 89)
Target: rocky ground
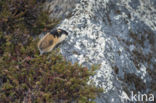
(118, 34)
(61, 8)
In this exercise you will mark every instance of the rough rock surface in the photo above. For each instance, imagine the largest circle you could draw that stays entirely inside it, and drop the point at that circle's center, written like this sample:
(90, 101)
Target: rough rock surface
(61, 8)
(121, 36)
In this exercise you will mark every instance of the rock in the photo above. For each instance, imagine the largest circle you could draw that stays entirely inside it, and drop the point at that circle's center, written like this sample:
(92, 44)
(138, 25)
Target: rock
(121, 36)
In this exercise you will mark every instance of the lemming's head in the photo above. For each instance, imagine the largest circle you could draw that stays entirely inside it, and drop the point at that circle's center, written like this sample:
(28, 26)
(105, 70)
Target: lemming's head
(62, 31)
(58, 32)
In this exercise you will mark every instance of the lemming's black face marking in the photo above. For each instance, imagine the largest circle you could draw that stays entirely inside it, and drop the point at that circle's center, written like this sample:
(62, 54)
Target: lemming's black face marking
(64, 32)
(55, 33)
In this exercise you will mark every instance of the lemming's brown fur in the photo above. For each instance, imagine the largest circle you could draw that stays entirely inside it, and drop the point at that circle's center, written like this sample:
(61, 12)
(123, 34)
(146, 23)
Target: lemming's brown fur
(48, 42)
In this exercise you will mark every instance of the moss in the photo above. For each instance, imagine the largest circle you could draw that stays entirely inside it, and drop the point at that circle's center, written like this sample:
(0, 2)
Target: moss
(27, 77)
(116, 69)
(48, 79)
(138, 83)
(136, 38)
(118, 11)
(24, 14)
(152, 73)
